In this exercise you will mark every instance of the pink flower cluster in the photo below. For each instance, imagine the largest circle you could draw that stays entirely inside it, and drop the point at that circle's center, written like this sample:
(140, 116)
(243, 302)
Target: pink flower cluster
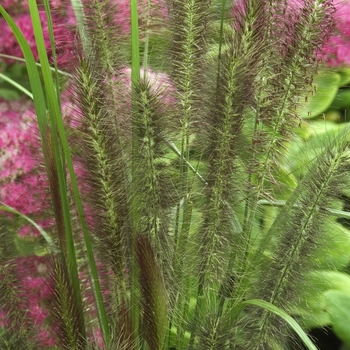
(336, 52)
(160, 84)
(158, 12)
(33, 291)
(64, 24)
(23, 185)
(64, 28)
(337, 49)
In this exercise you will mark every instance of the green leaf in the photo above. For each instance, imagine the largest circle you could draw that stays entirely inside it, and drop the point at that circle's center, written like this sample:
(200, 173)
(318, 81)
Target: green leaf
(338, 306)
(342, 99)
(279, 312)
(9, 94)
(13, 94)
(344, 76)
(302, 153)
(9, 209)
(25, 247)
(338, 247)
(313, 308)
(326, 280)
(327, 84)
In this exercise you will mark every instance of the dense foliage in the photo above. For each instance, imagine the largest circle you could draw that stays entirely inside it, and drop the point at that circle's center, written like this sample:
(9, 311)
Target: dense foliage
(181, 197)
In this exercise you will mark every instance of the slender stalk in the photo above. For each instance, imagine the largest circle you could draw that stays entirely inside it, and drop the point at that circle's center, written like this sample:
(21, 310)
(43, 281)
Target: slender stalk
(135, 79)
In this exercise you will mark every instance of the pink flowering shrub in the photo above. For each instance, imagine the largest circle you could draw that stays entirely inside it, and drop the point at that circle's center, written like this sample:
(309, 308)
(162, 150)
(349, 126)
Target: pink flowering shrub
(31, 292)
(160, 84)
(101, 158)
(64, 31)
(64, 25)
(158, 13)
(35, 292)
(23, 184)
(337, 48)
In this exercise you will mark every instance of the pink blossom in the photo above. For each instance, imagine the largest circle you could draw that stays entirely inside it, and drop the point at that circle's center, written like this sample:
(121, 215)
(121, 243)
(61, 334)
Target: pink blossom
(33, 292)
(337, 49)
(17, 138)
(23, 183)
(160, 83)
(8, 41)
(158, 13)
(97, 338)
(64, 31)
(31, 231)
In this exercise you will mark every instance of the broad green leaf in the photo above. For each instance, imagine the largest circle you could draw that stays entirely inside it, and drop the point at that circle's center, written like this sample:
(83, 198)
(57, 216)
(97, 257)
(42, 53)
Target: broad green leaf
(28, 247)
(300, 153)
(344, 76)
(327, 83)
(313, 308)
(338, 306)
(326, 279)
(337, 241)
(342, 99)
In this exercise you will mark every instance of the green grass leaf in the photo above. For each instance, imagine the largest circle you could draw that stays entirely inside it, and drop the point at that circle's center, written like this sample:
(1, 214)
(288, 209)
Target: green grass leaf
(282, 314)
(9, 209)
(16, 85)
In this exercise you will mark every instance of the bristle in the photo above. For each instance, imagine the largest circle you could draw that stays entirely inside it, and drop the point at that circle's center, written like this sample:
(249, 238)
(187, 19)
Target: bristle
(156, 193)
(189, 28)
(299, 230)
(67, 322)
(104, 160)
(173, 168)
(18, 335)
(289, 63)
(153, 295)
(124, 330)
(239, 67)
(103, 33)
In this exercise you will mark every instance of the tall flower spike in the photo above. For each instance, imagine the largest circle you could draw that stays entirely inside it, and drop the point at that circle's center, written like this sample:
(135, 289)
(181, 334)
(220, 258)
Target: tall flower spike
(106, 166)
(17, 334)
(220, 239)
(153, 295)
(298, 229)
(67, 323)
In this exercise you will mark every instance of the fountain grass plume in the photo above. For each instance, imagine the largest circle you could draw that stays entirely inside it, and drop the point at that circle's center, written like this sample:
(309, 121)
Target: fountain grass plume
(174, 168)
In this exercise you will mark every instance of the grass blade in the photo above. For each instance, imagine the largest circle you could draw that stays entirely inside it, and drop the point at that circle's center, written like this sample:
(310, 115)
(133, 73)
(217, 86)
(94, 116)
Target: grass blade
(282, 314)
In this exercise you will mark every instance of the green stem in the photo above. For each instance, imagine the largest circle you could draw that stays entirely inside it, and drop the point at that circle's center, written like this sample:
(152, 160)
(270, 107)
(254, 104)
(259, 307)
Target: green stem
(135, 78)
